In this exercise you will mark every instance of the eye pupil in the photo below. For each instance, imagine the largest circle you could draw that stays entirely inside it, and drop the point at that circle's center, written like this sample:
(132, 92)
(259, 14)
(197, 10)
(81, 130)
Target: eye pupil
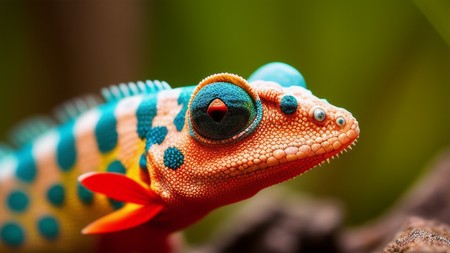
(217, 110)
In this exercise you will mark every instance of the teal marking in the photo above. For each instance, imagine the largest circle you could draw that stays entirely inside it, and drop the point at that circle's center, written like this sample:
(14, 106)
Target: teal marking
(155, 135)
(241, 111)
(116, 204)
(56, 194)
(145, 114)
(17, 201)
(12, 234)
(106, 130)
(66, 152)
(143, 162)
(173, 158)
(84, 194)
(26, 169)
(288, 104)
(116, 167)
(279, 72)
(183, 99)
(48, 227)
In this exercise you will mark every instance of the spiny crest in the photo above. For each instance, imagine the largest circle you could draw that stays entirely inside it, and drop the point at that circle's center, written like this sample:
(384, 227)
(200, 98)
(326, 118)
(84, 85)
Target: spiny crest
(75, 107)
(5, 150)
(122, 90)
(29, 129)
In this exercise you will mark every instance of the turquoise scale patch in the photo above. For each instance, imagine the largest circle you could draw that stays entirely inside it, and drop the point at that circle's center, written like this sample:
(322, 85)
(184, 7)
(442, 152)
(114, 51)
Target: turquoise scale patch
(106, 130)
(183, 99)
(155, 135)
(173, 158)
(143, 162)
(279, 72)
(288, 104)
(66, 152)
(56, 195)
(48, 227)
(17, 201)
(12, 234)
(145, 114)
(26, 169)
(117, 167)
(116, 204)
(85, 195)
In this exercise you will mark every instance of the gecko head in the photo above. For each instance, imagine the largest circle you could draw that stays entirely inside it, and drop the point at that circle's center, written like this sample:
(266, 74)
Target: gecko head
(241, 137)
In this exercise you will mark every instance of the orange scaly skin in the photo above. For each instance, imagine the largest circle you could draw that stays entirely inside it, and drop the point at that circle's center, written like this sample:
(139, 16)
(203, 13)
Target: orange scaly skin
(281, 147)
(181, 159)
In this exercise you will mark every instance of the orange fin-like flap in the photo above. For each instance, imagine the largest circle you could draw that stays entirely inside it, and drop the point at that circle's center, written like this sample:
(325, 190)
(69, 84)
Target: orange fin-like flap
(131, 215)
(119, 187)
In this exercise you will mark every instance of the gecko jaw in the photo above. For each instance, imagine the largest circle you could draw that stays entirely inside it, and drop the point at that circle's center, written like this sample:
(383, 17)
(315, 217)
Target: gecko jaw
(345, 150)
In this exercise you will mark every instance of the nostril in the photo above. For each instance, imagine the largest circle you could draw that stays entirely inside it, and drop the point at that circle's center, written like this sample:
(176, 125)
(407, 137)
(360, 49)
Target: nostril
(340, 121)
(319, 114)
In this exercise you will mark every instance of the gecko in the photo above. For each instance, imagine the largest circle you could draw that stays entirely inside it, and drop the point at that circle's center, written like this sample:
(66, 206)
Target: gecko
(124, 173)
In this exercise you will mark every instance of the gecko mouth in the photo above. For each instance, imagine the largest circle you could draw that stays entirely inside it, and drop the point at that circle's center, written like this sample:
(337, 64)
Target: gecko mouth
(301, 158)
(323, 152)
(273, 171)
(334, 154)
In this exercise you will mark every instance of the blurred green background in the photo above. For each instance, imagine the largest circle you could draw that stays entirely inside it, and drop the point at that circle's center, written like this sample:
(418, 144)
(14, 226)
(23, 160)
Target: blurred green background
(388, 62)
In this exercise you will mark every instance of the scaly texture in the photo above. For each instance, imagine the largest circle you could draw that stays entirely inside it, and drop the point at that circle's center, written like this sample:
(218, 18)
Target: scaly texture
(160, 159)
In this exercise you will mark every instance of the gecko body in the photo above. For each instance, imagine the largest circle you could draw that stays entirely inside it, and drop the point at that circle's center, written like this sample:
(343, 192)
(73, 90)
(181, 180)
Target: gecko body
(122, 175)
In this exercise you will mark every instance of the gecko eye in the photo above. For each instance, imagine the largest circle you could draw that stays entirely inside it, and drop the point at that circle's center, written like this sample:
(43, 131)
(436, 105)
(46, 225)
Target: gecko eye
(221, 110)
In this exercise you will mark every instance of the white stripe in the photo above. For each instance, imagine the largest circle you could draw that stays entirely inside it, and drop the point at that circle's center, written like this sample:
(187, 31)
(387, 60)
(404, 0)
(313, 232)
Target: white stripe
(125, 113)
(46, 144)
(8, 167)
(44, 153)
(88, 156)
(167, 109)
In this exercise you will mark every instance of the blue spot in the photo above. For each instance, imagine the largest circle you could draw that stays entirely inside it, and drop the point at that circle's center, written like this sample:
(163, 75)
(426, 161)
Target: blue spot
(48, 227)
(183, 100)
(143, 162)
(12, 234)
(155, 135)
(116, 204)
(116, 167)
(145, 114)
(56, 195)
(279, 72)
(66, 153)
(288, 104)
(105, 130)
(84, 194)
(173, 158)
(26, 169)
(18, 201)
